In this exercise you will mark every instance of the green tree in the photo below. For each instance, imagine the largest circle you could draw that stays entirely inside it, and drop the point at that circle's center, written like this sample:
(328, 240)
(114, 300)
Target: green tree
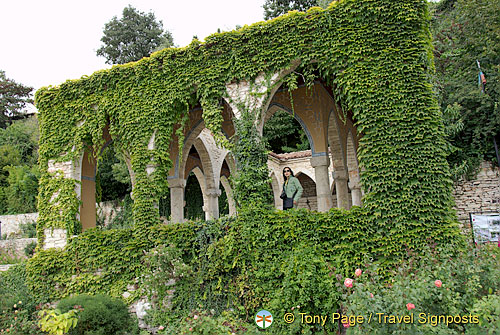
(14, 98)
(282, 133)
(466, 31)
(113, 179)
(21, 193)
(275, 8)
(23, 136)
(134, 36)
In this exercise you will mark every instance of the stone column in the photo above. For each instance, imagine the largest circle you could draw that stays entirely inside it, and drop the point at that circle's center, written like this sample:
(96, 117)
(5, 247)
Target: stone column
(177, 199)
(213, 203)
(355, 187)
(320, 165)
(54, 238)
(340, 178)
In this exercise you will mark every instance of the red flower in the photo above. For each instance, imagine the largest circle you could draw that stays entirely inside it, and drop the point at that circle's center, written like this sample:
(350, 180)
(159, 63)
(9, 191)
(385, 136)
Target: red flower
(438, 283)
(348, 282)
(410, 306)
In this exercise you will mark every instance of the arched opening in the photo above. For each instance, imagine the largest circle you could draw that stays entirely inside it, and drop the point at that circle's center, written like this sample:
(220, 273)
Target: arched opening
(309, 196)
(88, 211)
(226, 202)
(353, 168)
(283, 132)
(106, 186)
(193, 195)
(113, 189)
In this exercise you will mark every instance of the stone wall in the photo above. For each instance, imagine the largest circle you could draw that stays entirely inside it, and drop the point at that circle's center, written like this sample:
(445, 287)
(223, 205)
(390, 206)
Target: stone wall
(10, 224)
(107, 210)
(16, 246)
(480, 195)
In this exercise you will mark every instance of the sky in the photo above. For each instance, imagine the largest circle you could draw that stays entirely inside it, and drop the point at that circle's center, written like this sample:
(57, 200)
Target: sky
(47, 42)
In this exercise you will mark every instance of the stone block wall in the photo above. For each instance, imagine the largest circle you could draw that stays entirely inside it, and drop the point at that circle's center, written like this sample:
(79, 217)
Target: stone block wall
(10, 224)
(16, 246)
(480, 195)
(107, 210)
(55, 238)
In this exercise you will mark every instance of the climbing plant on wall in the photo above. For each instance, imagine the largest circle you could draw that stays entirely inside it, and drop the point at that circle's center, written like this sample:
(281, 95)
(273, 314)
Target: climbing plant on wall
(375, 54)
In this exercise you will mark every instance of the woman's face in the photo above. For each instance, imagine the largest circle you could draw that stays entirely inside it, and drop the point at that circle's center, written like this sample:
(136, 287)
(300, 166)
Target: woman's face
(287, 172)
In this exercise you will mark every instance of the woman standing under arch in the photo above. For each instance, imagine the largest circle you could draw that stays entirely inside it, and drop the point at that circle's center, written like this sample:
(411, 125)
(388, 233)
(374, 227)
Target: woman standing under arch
(292, 190)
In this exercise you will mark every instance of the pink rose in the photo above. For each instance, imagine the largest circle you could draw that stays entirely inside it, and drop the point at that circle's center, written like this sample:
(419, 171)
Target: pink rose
(438, 283)
(346, 325)
(358, 272)
(348, 282)
(161, 328)
(410, 306)
(195, 317)
(190, 329)
(371, 295)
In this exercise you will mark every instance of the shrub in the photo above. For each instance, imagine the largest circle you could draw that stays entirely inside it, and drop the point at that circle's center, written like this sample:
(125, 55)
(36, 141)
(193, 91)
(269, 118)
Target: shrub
(101, 315)
(56, 323)
(28, 229)
(8, 256)
(29, 249)
(206, 323)
(432, 289)
(488, 311)
(17, 305)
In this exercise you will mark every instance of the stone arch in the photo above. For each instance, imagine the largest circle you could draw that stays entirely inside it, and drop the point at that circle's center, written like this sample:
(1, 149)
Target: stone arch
(88, 210)
(276, 187)
(86, 190)
(229, 193)
(353, 169)
(203, 185)
(309, 199)
(224, 180)
(275, 107)
(338, 154)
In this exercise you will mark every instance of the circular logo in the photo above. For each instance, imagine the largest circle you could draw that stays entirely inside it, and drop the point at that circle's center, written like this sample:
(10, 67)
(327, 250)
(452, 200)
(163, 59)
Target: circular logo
(263, 319)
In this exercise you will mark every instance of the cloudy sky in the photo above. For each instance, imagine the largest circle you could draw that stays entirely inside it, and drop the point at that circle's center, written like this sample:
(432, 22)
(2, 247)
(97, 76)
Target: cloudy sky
(47, 42)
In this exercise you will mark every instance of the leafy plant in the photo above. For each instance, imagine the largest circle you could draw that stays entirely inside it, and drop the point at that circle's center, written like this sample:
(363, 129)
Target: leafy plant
(28, 229)
(56, 323)
(29, 249)
(17, 304)
(99, 315)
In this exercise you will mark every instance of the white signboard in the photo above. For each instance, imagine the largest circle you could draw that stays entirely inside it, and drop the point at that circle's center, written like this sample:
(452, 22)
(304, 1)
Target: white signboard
(486, 227)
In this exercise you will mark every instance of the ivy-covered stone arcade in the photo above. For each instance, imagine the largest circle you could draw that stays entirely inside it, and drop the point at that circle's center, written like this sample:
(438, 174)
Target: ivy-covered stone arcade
(356, 76)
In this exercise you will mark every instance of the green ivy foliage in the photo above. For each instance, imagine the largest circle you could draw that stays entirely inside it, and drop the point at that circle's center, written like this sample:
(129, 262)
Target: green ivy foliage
(375, 54)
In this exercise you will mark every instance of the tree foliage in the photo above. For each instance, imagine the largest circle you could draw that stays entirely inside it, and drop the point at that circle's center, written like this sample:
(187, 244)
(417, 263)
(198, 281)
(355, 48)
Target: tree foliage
(465, 32)
(275, 8)
(14, 98)
(19, 171)
(282, 133)
(132, 37)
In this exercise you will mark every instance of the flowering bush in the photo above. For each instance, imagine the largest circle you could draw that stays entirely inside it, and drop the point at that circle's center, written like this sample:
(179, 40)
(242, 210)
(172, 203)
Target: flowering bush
(17, 306)
(414, 301)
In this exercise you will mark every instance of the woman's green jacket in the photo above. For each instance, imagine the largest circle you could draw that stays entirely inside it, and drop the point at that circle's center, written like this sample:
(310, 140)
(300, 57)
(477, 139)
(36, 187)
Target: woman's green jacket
(292, 186)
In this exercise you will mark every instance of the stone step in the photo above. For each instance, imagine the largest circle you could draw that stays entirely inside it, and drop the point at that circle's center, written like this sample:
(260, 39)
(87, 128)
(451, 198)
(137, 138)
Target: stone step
(5, 267)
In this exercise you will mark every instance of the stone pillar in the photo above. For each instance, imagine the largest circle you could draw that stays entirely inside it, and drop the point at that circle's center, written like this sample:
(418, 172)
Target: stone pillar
(340, 178)
(320, 165)
(177, 199)
(54, 238)
(213, 203)
(355, 187)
